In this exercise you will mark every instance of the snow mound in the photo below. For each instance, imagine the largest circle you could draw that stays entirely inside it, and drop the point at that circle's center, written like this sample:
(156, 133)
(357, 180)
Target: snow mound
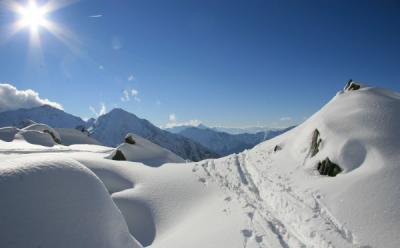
(50, 202)
(35, 138)
(145, 152)
(45, 129)
(71, 136)
(357, 131)
(8, 133)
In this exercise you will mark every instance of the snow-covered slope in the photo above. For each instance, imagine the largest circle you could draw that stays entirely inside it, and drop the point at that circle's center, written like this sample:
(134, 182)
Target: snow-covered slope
(44, 114)
(72, 136)
(53, 202)
(111, 128)
(36, 134)
(269, 196)
(225, 143)
(145, 152)
(282, 187)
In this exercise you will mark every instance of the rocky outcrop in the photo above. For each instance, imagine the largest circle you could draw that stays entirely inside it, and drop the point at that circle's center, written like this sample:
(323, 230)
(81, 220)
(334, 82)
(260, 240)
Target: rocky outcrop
(328, 168)
(118, 156)
(129, 139)
(315, 142)
(55, 138)
(351, 85)
(277, 148)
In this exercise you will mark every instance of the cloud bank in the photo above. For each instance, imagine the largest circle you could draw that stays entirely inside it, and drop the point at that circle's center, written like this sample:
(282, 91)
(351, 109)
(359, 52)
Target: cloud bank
(11, 98)
(173, 122)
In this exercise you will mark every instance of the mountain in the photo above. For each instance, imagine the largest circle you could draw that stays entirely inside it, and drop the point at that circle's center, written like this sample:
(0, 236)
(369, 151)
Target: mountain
(44, 114)
(180, 128)
(225, 143)
(251, 130)
(111, 128)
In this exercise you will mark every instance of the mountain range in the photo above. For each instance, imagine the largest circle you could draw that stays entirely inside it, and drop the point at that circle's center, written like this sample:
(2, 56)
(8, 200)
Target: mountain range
(225, 143)
(188, 142)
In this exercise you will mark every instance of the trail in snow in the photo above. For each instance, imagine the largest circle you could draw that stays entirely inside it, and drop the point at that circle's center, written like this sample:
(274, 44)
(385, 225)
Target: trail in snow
(278, 213)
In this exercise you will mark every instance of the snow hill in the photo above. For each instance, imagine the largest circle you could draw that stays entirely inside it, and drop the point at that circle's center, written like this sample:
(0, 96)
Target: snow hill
(72, 136)
(60, 203)
(111, 128)
(44, 114)
(273, 195)
(144, 151)
(225, 143)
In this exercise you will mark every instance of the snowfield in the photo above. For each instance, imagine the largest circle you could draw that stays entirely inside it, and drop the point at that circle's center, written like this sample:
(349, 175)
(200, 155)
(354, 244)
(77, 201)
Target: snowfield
(270, 196)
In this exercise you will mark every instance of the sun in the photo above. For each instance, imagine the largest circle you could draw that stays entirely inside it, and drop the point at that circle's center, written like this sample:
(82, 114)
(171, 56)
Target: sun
(32, 16)
(35, 18)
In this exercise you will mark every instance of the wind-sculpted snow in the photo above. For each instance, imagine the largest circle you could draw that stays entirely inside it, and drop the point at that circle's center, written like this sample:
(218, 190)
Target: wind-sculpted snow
(50, 202)
(269, 196)
(146, 152)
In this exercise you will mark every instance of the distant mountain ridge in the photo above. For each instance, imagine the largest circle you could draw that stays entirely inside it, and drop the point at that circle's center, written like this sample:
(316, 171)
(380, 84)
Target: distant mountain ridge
(225, 143)
(109, 129)
(44, 114)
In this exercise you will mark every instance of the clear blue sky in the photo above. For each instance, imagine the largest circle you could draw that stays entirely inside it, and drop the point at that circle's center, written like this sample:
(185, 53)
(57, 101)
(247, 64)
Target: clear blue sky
(231, 63)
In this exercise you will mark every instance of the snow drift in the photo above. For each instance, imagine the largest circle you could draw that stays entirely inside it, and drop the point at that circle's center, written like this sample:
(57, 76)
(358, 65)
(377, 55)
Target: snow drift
(49, 202)
(144, 151)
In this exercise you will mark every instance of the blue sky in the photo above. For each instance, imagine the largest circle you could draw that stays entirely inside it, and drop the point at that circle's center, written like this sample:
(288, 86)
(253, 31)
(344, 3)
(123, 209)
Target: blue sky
(229, 63)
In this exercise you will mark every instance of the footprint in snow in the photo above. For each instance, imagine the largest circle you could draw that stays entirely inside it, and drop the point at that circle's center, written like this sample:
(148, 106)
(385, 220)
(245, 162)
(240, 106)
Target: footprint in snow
(247, 233)
(228, 199)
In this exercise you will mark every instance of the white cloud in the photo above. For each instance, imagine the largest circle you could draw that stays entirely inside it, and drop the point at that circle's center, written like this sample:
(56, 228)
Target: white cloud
(11, 98)
(102, 110)
(286, 118)
(126, 95)
(173, 122)
(131, 78)
(96, 16)
(172, 117)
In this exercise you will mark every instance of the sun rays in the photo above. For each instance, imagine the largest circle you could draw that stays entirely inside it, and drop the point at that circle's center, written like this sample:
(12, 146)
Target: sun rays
(34, 17)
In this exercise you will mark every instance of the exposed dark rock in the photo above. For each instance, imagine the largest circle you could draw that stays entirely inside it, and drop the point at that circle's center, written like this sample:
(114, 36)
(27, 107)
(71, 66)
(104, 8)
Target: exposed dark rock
(118, 156)
(316, 141)
(328, 168)
(351, 85)
(82, 128)
(58, 141)
(129, 140)
(277, 148)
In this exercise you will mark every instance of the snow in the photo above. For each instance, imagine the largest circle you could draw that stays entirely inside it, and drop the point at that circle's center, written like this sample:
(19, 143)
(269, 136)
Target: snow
(71, 136)
(257, 198)
(8, 133)
(146, 152)
(43, 128)
(35, 137)
(52, 202)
